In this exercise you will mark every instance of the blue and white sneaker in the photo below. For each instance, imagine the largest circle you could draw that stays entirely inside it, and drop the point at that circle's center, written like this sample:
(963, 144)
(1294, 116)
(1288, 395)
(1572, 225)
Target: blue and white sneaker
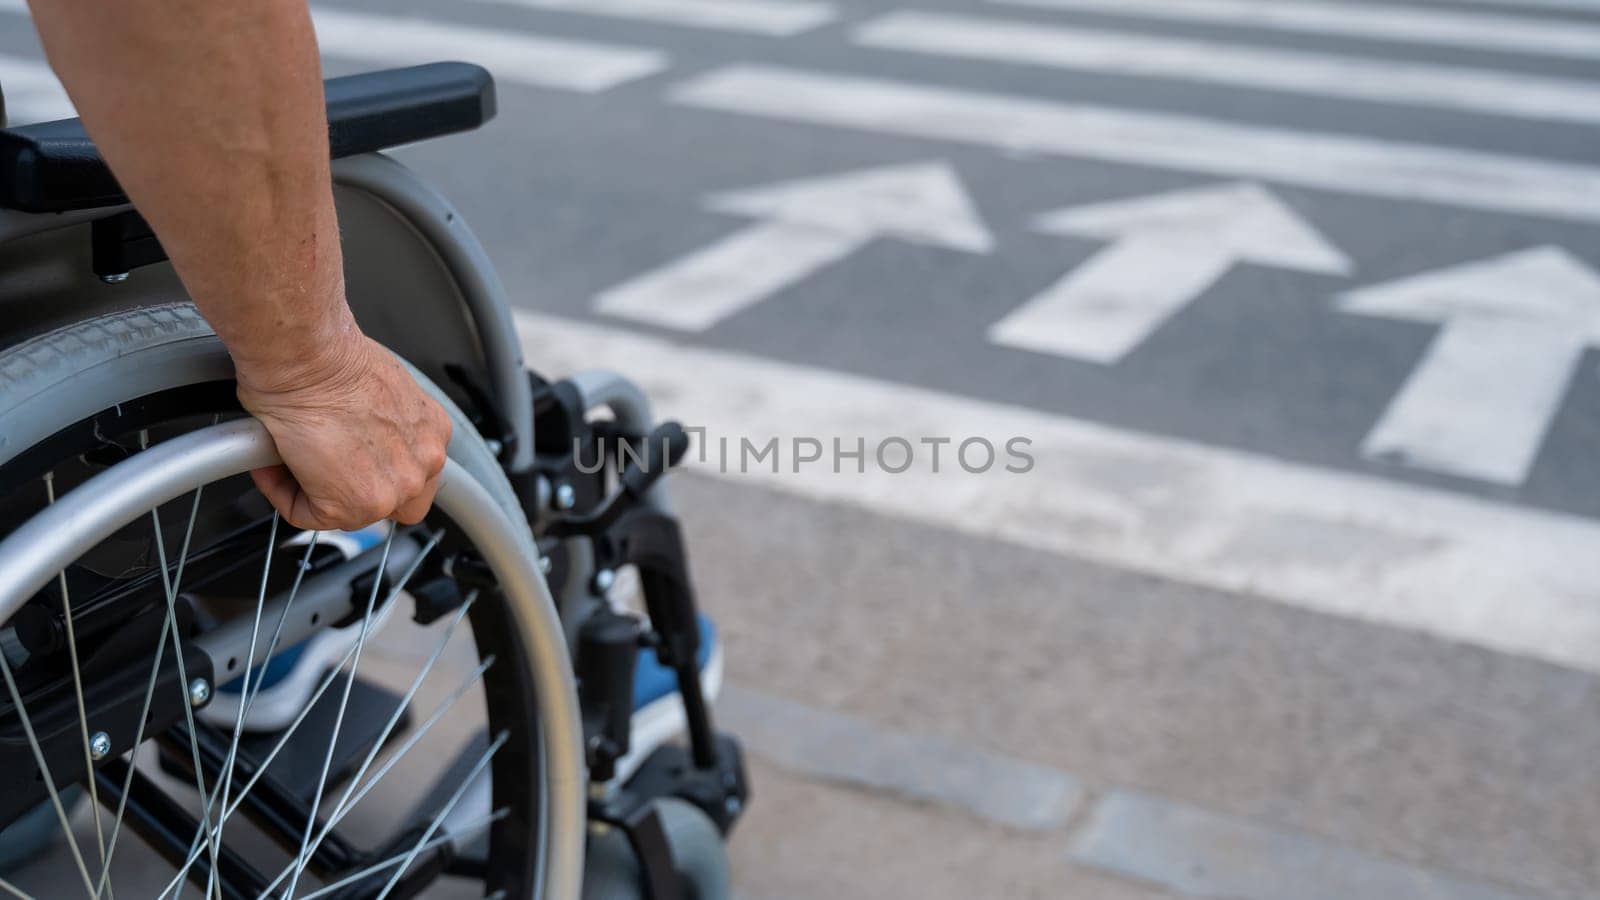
(291, 676)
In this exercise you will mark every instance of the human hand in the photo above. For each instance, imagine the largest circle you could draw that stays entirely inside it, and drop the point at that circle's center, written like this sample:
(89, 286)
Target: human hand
(360, 440)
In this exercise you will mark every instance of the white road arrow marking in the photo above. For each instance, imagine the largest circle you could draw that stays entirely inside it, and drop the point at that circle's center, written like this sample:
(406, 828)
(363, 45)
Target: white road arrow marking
(808, 224)
(1169, 249)
(1480, 401)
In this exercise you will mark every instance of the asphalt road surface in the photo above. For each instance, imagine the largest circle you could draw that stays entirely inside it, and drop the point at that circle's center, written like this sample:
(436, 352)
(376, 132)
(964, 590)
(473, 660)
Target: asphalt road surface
(1284, 309)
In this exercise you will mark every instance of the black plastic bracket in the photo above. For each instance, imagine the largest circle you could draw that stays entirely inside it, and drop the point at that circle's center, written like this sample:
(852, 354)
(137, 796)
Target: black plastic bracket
(722, 791)
(122, 243)
(641, 823)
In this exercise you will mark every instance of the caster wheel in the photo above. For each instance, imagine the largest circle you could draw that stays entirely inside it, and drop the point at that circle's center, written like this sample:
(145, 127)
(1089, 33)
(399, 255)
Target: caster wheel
(611, 870)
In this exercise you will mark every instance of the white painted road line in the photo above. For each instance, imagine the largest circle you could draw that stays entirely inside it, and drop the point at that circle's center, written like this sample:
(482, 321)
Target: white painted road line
(1332, 162)
(1513, 329)
(1204, 854)
(1581, 6)
(516, 57)
(835, 747)
(1299, 72)
(32, 92)
(1403, 24)
(1519, 581)
(807, 224)
(1169, 249)
(776, 18)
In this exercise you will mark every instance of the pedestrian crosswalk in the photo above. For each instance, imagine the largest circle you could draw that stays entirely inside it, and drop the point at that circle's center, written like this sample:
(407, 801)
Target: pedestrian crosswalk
(1364, 78)
(1060, 82)
(583, 66)
(1429, 26)
(778, 18)
(1186, 143)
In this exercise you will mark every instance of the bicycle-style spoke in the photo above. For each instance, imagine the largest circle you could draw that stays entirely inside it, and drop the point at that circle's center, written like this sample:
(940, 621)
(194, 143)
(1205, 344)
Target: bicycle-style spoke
(44, 772)
(289, 732)
(461, 833)
(247, 699)
(226, 775)
(345, 803)
(13, 890)
(349, 801)
(170, 584)
(444, 813)
(77, 686)
(338, 722)
(144, 714)
(199, 841)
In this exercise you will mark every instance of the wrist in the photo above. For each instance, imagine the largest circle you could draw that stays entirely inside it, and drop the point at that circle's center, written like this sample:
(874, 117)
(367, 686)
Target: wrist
(317, 356)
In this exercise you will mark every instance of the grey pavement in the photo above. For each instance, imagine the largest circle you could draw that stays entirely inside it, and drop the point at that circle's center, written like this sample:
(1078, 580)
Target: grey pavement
(1397, 748)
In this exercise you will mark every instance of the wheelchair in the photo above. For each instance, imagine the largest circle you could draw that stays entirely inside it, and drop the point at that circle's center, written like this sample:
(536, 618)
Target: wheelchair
(468, 728)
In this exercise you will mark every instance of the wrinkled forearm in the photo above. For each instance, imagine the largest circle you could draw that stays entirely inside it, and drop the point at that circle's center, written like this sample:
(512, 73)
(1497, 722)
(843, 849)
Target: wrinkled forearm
(211, 115)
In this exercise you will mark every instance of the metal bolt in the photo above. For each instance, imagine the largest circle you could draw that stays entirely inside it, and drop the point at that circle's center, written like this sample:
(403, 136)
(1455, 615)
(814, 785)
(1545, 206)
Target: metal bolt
(494, 446)
(99, 745)
(199, 692)
(566, 497)
(115, 278)
(604, 579)
(733, 806)
(546, 564)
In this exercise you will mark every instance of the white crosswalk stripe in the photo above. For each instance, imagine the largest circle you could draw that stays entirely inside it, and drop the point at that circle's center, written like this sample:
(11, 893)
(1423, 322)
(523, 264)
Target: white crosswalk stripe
(1404, 24)
(32, 92)
(1484, 573)
(777, 18)
(1240, 65)
(515, 57)
(1580, 6)
(1333, 162)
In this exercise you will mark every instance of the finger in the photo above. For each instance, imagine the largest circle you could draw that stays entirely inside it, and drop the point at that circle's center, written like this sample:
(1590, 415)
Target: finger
(284, 492)
(416, 509)
(281, 490)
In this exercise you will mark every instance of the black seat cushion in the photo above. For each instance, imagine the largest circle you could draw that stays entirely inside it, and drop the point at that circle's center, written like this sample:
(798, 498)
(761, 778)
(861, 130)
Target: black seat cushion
(54, 167)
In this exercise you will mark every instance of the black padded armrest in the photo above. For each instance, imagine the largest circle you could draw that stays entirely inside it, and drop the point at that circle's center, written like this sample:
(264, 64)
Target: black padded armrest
(54, 167)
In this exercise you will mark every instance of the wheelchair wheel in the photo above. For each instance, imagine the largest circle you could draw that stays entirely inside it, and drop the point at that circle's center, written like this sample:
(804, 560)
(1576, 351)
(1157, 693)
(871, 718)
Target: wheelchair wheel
(147, 595)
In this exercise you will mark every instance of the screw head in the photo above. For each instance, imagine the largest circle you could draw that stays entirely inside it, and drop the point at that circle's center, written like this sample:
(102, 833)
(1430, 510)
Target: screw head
(565, 496)
(199, 692)
(604, 579)
(546, 564)
(99, 745)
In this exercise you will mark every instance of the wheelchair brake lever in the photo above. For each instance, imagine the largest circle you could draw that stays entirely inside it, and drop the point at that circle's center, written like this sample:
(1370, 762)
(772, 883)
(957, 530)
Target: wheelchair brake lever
(663, 448)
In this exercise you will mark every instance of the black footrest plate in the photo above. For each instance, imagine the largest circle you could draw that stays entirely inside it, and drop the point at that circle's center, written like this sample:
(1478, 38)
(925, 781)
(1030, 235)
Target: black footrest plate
(298, 766)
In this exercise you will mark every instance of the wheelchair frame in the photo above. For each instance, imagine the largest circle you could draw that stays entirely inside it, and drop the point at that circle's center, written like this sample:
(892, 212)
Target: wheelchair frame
(419, 282)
